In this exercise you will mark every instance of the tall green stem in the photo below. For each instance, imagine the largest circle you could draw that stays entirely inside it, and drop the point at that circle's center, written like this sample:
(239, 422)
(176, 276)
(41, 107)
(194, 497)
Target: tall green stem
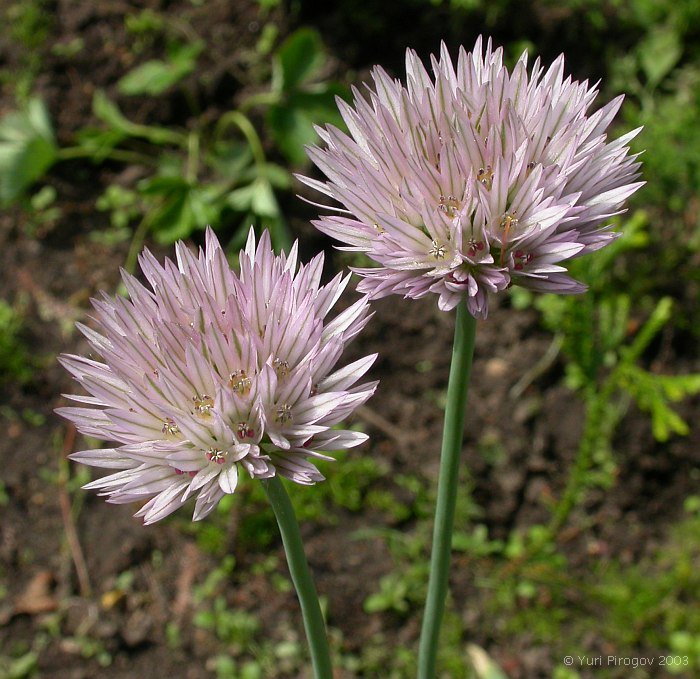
(301, 577)
(453, 433)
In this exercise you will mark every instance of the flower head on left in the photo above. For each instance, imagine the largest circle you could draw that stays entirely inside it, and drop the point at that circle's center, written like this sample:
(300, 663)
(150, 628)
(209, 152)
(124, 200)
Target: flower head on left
(210, 372)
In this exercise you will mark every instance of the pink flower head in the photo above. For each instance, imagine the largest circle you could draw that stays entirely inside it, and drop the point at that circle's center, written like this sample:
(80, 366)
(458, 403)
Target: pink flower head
(210, 373)
(475, 179)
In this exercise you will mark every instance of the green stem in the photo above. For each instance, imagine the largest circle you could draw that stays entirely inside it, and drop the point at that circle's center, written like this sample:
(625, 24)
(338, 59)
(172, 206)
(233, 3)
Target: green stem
(120, 155)
(246, 127)
(137, 242)
(259, 99)
(453, 433)
(192, 165)
(301, 577)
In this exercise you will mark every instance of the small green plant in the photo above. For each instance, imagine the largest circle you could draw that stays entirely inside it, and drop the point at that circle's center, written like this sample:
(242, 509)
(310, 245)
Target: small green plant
(210, 174)
(27, 24)
(604, 344)
(235, 628)
(154, 77)
(15, 359)
(298, 98)
(27, 149)
(20, 667)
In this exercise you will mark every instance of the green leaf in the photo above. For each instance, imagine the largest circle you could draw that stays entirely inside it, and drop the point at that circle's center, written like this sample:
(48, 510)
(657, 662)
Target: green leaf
(653, 394)
(108, 112)
(677, 387)
(258, 197)
(163, 185)
(278, 176)
(155, 76)
(229, 158)
(292, 130)
(205, 205)
(320, 102)
(484, 666)
(658, 53)
(656, 321)
(27, 149)
(263, 201)
(241, 199)
(39, 119)
(152, 78)
(170, 217)
(173, 220)
(99, 143)
(179, 207)
(298, 60)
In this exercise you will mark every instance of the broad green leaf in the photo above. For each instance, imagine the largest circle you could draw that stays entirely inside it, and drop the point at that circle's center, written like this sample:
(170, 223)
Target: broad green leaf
(39, 118)
(171, 165)
(163, 185)
(185, 55)
(263, 202)
(279, 232)
(171, 217)
(151, 78)
(27, 149)
(156, 76)
(241, 199)
(659, 52)
(320, 102)
(298, 60)
(257, 197)
(229, 158)
(108, 112)
(278, 176)
(292, 130)
(205, 205)
(173, 220)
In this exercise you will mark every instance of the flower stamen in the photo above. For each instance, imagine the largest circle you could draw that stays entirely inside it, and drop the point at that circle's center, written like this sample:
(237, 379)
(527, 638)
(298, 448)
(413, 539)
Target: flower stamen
(169, 427)
(203, 405)
(215, 455)
(437, 251)
(449, 205)
(474, 246)
(243, 431)
(240, 382)
(508, 221)
(521, 259)
(283, 414)
(485, 176)
(281, 368)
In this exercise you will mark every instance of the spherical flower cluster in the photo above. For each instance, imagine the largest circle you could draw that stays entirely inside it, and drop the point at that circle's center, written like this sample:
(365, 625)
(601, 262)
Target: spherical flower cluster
(475, 179)
(210, 373)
